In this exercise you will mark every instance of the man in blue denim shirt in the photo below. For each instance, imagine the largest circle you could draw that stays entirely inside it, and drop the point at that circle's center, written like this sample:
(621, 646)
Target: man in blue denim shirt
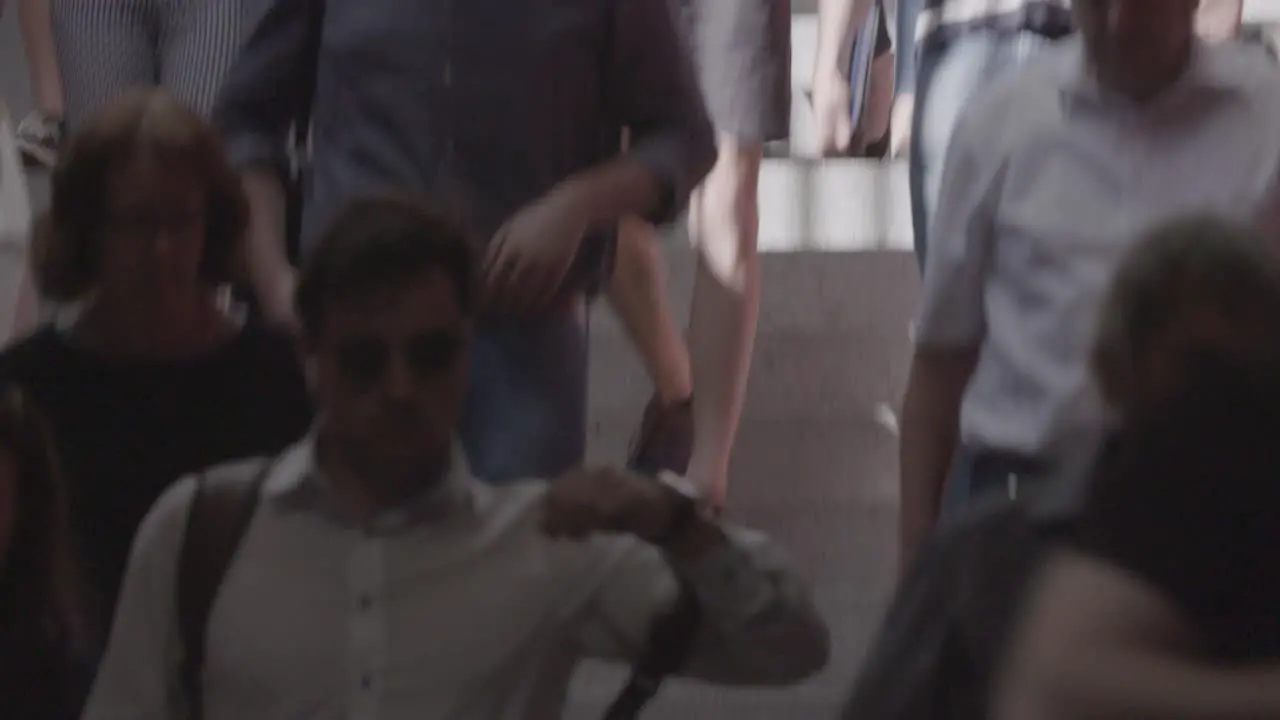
(509, 112)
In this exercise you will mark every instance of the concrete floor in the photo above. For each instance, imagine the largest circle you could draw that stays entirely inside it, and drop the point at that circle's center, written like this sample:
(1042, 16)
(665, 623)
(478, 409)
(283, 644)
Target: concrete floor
(815, 464)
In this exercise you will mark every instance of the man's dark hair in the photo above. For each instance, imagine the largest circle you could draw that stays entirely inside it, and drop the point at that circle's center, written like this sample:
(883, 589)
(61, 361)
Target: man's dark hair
(376, 243)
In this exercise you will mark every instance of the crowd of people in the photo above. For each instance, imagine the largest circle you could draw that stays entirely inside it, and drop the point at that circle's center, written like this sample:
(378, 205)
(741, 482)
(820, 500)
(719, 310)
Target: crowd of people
(302, 432)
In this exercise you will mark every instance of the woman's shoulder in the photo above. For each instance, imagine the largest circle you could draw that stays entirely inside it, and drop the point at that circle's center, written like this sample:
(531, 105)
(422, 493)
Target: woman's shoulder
(43, 350)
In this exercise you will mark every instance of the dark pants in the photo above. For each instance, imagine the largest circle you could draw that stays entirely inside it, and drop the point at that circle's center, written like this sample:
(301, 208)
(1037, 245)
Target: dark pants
(526, 414)
(980, 475)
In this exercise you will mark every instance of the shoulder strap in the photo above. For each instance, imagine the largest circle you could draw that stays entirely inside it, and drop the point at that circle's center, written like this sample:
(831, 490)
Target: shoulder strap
(223, 507)
(670, 643)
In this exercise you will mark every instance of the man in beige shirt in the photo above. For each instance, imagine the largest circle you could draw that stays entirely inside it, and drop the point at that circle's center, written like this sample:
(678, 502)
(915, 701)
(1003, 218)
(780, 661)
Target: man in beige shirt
(379, 580)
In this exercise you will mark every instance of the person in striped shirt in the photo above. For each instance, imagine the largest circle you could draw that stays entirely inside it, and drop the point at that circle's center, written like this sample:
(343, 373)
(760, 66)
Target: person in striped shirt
(963, 45)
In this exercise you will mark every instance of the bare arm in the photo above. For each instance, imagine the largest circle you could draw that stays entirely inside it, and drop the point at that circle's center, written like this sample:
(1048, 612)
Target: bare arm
(1099, 644)
(951, 324)
(930, 435)
(266, 252)
(838, 24)
(265, 92)
(36, 23)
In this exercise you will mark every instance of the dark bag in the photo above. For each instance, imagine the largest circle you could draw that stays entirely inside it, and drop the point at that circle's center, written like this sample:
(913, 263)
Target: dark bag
(221, 511)
(947, 627)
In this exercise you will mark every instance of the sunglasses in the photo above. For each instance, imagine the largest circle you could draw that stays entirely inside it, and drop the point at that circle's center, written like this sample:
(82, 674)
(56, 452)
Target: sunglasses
(363, 362)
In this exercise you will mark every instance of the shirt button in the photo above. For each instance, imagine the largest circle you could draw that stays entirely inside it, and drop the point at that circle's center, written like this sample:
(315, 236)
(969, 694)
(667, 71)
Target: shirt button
(366, 602)
(366, 682)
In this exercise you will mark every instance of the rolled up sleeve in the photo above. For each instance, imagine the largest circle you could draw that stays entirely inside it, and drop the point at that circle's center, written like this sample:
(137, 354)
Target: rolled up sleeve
(759, 625)
(269, 86)
(961, 239)
(651, 88)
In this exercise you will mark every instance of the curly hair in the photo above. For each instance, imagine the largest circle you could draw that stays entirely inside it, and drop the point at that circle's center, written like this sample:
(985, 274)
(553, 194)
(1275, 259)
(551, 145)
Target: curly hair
(67, 238)
(1192, 287)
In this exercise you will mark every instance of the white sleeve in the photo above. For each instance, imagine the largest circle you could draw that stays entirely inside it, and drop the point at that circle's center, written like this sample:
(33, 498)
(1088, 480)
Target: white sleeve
(138, 677)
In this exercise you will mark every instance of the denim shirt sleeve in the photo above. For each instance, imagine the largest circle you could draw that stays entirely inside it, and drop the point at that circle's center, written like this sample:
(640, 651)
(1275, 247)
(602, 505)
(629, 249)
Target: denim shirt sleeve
(270, 84)
(651, 88)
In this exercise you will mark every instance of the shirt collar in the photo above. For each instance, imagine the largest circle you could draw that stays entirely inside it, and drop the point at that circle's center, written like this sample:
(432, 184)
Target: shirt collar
(1210, 71)
(296, 483)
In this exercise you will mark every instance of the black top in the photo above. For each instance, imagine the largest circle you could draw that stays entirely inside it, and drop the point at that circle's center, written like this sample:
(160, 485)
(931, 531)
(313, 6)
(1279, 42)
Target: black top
(41, 676)
(1187, 500)
(126, 430)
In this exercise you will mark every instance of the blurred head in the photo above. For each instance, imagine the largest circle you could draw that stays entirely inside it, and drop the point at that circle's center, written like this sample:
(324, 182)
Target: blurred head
(1137, 47)
(35, 553)
(144, 206)
(385, 301)
(1195, 292)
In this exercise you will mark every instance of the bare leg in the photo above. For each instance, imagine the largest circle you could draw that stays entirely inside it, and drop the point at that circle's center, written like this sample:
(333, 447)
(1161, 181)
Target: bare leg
(724, 224)
(36, 23)
(638, 293)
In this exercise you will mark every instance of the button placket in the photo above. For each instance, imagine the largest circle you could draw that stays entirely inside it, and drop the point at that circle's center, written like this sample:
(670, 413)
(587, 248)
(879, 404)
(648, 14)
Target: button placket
(367, 643)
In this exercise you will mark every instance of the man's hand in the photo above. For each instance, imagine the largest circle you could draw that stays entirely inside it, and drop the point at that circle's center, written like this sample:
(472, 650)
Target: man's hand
(589, 501)
(833, 113)
(531, 254)
(275, 297)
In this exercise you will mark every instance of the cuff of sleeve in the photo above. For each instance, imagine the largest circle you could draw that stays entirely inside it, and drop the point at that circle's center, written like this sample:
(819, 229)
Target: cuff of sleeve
(679, 166)
(257, 151)
(727, 580)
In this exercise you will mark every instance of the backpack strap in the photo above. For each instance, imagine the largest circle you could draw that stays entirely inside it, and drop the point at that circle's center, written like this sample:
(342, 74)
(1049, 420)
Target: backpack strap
(670, 643)
(221, 510)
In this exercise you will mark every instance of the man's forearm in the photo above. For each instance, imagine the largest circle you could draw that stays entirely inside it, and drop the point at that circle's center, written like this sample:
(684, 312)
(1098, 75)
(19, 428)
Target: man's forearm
(266, 251)
(930, 431)
(619, 188)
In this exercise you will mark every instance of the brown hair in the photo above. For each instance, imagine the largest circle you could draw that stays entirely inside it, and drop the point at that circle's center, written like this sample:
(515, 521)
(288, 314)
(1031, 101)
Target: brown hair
(38, 572)
(67, 237)
(376, 242)
(1192, 287)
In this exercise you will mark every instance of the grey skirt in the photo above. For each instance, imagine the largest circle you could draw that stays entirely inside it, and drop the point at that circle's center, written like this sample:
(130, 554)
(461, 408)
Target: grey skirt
(742, 51)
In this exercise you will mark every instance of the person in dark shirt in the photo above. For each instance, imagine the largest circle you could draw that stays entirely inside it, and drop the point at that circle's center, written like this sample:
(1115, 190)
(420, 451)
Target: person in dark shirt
(1165, 602)
(42, 673)
(154, 378)
(509, 113)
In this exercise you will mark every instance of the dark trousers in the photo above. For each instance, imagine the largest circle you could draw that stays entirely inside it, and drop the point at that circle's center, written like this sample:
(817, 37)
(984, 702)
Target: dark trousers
(979, 475)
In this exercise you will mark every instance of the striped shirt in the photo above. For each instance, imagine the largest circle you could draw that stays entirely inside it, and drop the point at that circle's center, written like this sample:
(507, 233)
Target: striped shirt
(941, 20)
